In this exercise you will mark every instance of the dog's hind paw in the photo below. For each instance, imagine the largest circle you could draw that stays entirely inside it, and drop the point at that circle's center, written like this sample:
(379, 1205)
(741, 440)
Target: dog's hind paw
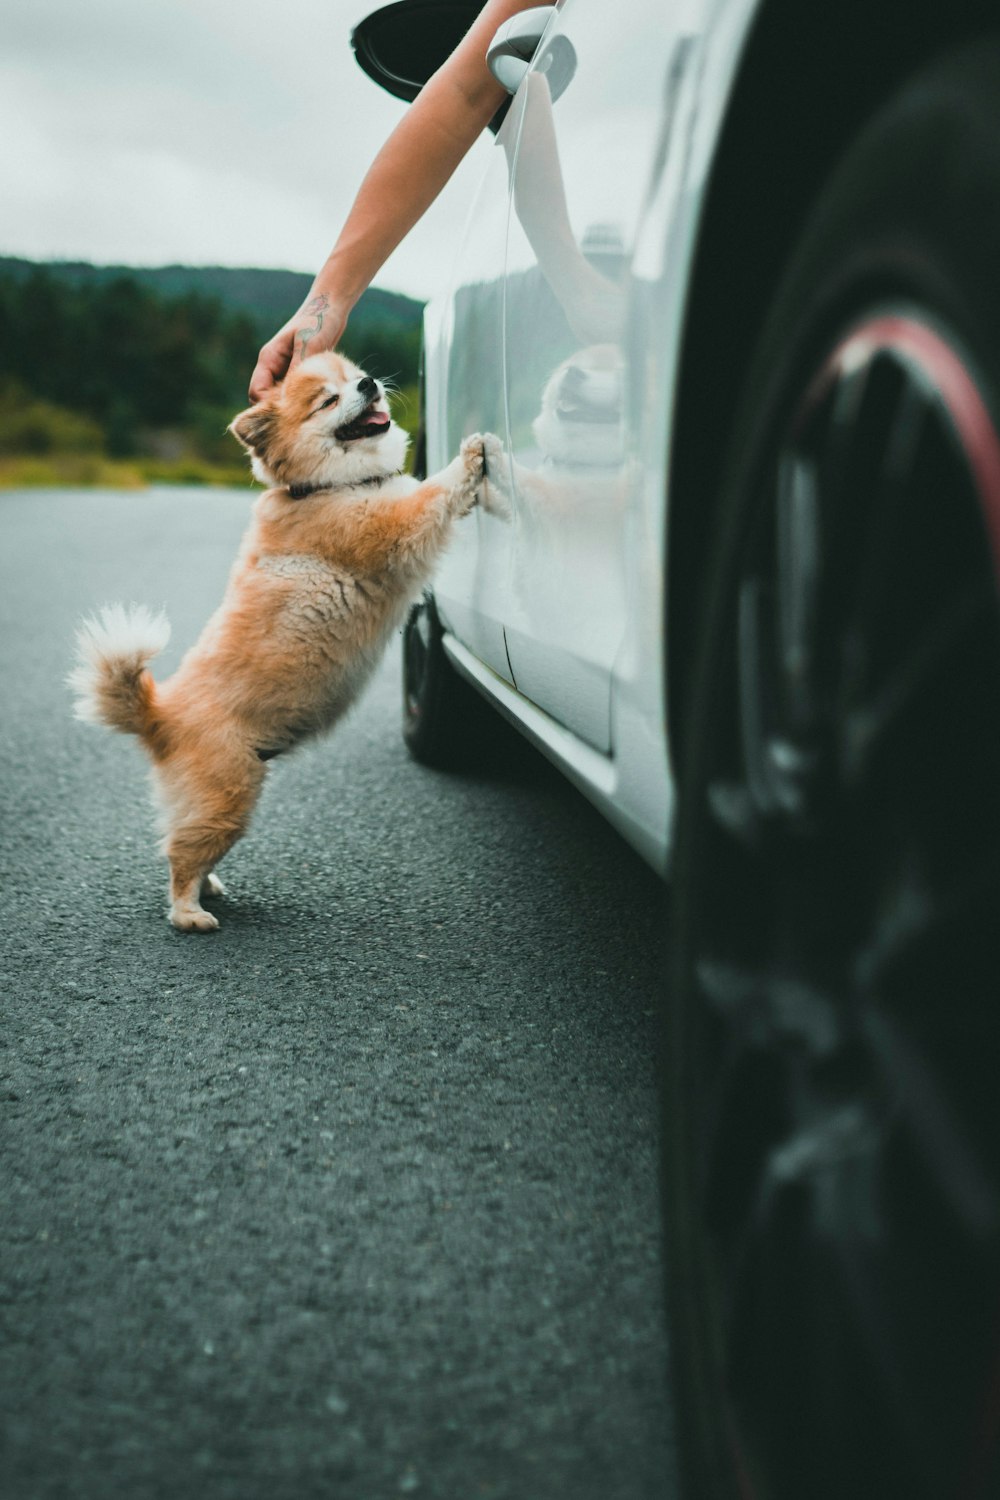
(192, 919)
(212, 886)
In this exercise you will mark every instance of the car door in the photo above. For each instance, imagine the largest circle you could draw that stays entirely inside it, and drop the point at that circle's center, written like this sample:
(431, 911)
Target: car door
(581, 163)
(465, 394)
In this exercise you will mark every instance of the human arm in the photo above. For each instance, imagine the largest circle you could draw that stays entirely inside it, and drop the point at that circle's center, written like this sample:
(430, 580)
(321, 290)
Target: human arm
(447, 116)
(594, 305)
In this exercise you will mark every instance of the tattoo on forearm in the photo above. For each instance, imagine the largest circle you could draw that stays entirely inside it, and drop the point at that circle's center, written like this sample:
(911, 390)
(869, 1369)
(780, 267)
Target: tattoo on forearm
(316, 307)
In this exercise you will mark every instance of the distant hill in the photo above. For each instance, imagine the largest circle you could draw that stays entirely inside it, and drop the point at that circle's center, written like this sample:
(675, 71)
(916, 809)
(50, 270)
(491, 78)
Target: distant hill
(266, 297)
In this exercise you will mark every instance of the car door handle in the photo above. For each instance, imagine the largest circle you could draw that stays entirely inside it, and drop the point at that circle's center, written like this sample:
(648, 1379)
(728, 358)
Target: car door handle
(511, 50)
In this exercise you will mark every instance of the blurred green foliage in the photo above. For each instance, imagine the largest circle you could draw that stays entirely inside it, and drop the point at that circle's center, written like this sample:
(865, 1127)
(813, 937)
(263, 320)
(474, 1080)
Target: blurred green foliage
(146, 368)
(34, 428)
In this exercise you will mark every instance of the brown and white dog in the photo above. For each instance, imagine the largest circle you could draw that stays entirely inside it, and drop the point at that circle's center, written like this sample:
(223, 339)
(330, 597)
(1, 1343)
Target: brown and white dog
(335, 552)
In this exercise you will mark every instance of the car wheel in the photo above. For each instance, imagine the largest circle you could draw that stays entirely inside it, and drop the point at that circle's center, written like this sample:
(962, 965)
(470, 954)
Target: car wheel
(832, 1123)
(442, 716)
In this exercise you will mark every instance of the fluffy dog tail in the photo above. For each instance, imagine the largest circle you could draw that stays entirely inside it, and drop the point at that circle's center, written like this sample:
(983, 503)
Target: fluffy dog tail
(110, 680)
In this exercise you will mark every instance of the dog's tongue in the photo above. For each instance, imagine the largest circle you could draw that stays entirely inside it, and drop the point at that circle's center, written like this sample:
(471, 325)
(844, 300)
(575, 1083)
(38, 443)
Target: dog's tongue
(376, 421)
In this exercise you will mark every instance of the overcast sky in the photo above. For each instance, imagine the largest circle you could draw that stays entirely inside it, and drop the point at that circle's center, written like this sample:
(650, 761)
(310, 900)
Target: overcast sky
(226, 132)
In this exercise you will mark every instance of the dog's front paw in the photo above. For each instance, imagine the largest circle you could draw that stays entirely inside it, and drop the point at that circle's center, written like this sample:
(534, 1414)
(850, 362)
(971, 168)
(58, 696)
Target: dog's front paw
(493, 455)
(484, 461)
(465, 475)
(472, 453)
(496, 478)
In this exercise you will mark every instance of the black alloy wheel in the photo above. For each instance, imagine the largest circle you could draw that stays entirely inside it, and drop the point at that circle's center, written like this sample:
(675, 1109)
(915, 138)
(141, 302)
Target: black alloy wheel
(832, 1131)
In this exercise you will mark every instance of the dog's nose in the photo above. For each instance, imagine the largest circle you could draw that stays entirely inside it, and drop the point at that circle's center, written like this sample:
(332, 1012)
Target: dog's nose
(367, 386)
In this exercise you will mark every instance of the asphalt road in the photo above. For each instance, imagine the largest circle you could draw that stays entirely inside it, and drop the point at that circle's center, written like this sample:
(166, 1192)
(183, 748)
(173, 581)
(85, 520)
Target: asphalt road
(357, 1197)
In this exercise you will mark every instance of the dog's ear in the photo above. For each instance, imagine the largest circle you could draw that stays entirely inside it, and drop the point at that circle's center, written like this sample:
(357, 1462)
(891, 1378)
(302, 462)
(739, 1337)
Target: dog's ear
(254, 428)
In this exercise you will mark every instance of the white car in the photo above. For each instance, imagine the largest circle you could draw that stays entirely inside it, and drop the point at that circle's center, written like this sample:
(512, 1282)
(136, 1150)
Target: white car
(729, 295)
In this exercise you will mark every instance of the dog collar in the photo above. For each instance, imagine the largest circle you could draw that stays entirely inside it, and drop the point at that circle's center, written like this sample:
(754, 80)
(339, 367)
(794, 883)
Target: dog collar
(300, 491)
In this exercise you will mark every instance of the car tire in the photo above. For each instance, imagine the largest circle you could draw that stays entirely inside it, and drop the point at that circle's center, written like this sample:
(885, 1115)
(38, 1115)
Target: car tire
(443, 717)
(832, 1021)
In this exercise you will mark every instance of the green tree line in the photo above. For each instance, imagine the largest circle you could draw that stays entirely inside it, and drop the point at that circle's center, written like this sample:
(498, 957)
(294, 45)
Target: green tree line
(132, 362)
(112, 365)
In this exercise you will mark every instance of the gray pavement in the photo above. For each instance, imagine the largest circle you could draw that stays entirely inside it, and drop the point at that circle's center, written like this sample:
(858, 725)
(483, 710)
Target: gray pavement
(357, 1197)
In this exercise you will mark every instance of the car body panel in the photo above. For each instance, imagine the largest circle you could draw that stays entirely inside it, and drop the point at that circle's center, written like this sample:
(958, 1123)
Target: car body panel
(468, 343)
(580, 245)
(567, 251)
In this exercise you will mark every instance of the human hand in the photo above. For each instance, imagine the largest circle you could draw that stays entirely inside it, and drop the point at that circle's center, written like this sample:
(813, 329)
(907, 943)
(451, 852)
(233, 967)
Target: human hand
(316, 326)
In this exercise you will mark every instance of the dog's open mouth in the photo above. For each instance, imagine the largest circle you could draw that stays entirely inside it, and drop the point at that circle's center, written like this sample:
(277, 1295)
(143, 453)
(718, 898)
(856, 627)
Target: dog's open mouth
(583, 411)
(371, 423)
